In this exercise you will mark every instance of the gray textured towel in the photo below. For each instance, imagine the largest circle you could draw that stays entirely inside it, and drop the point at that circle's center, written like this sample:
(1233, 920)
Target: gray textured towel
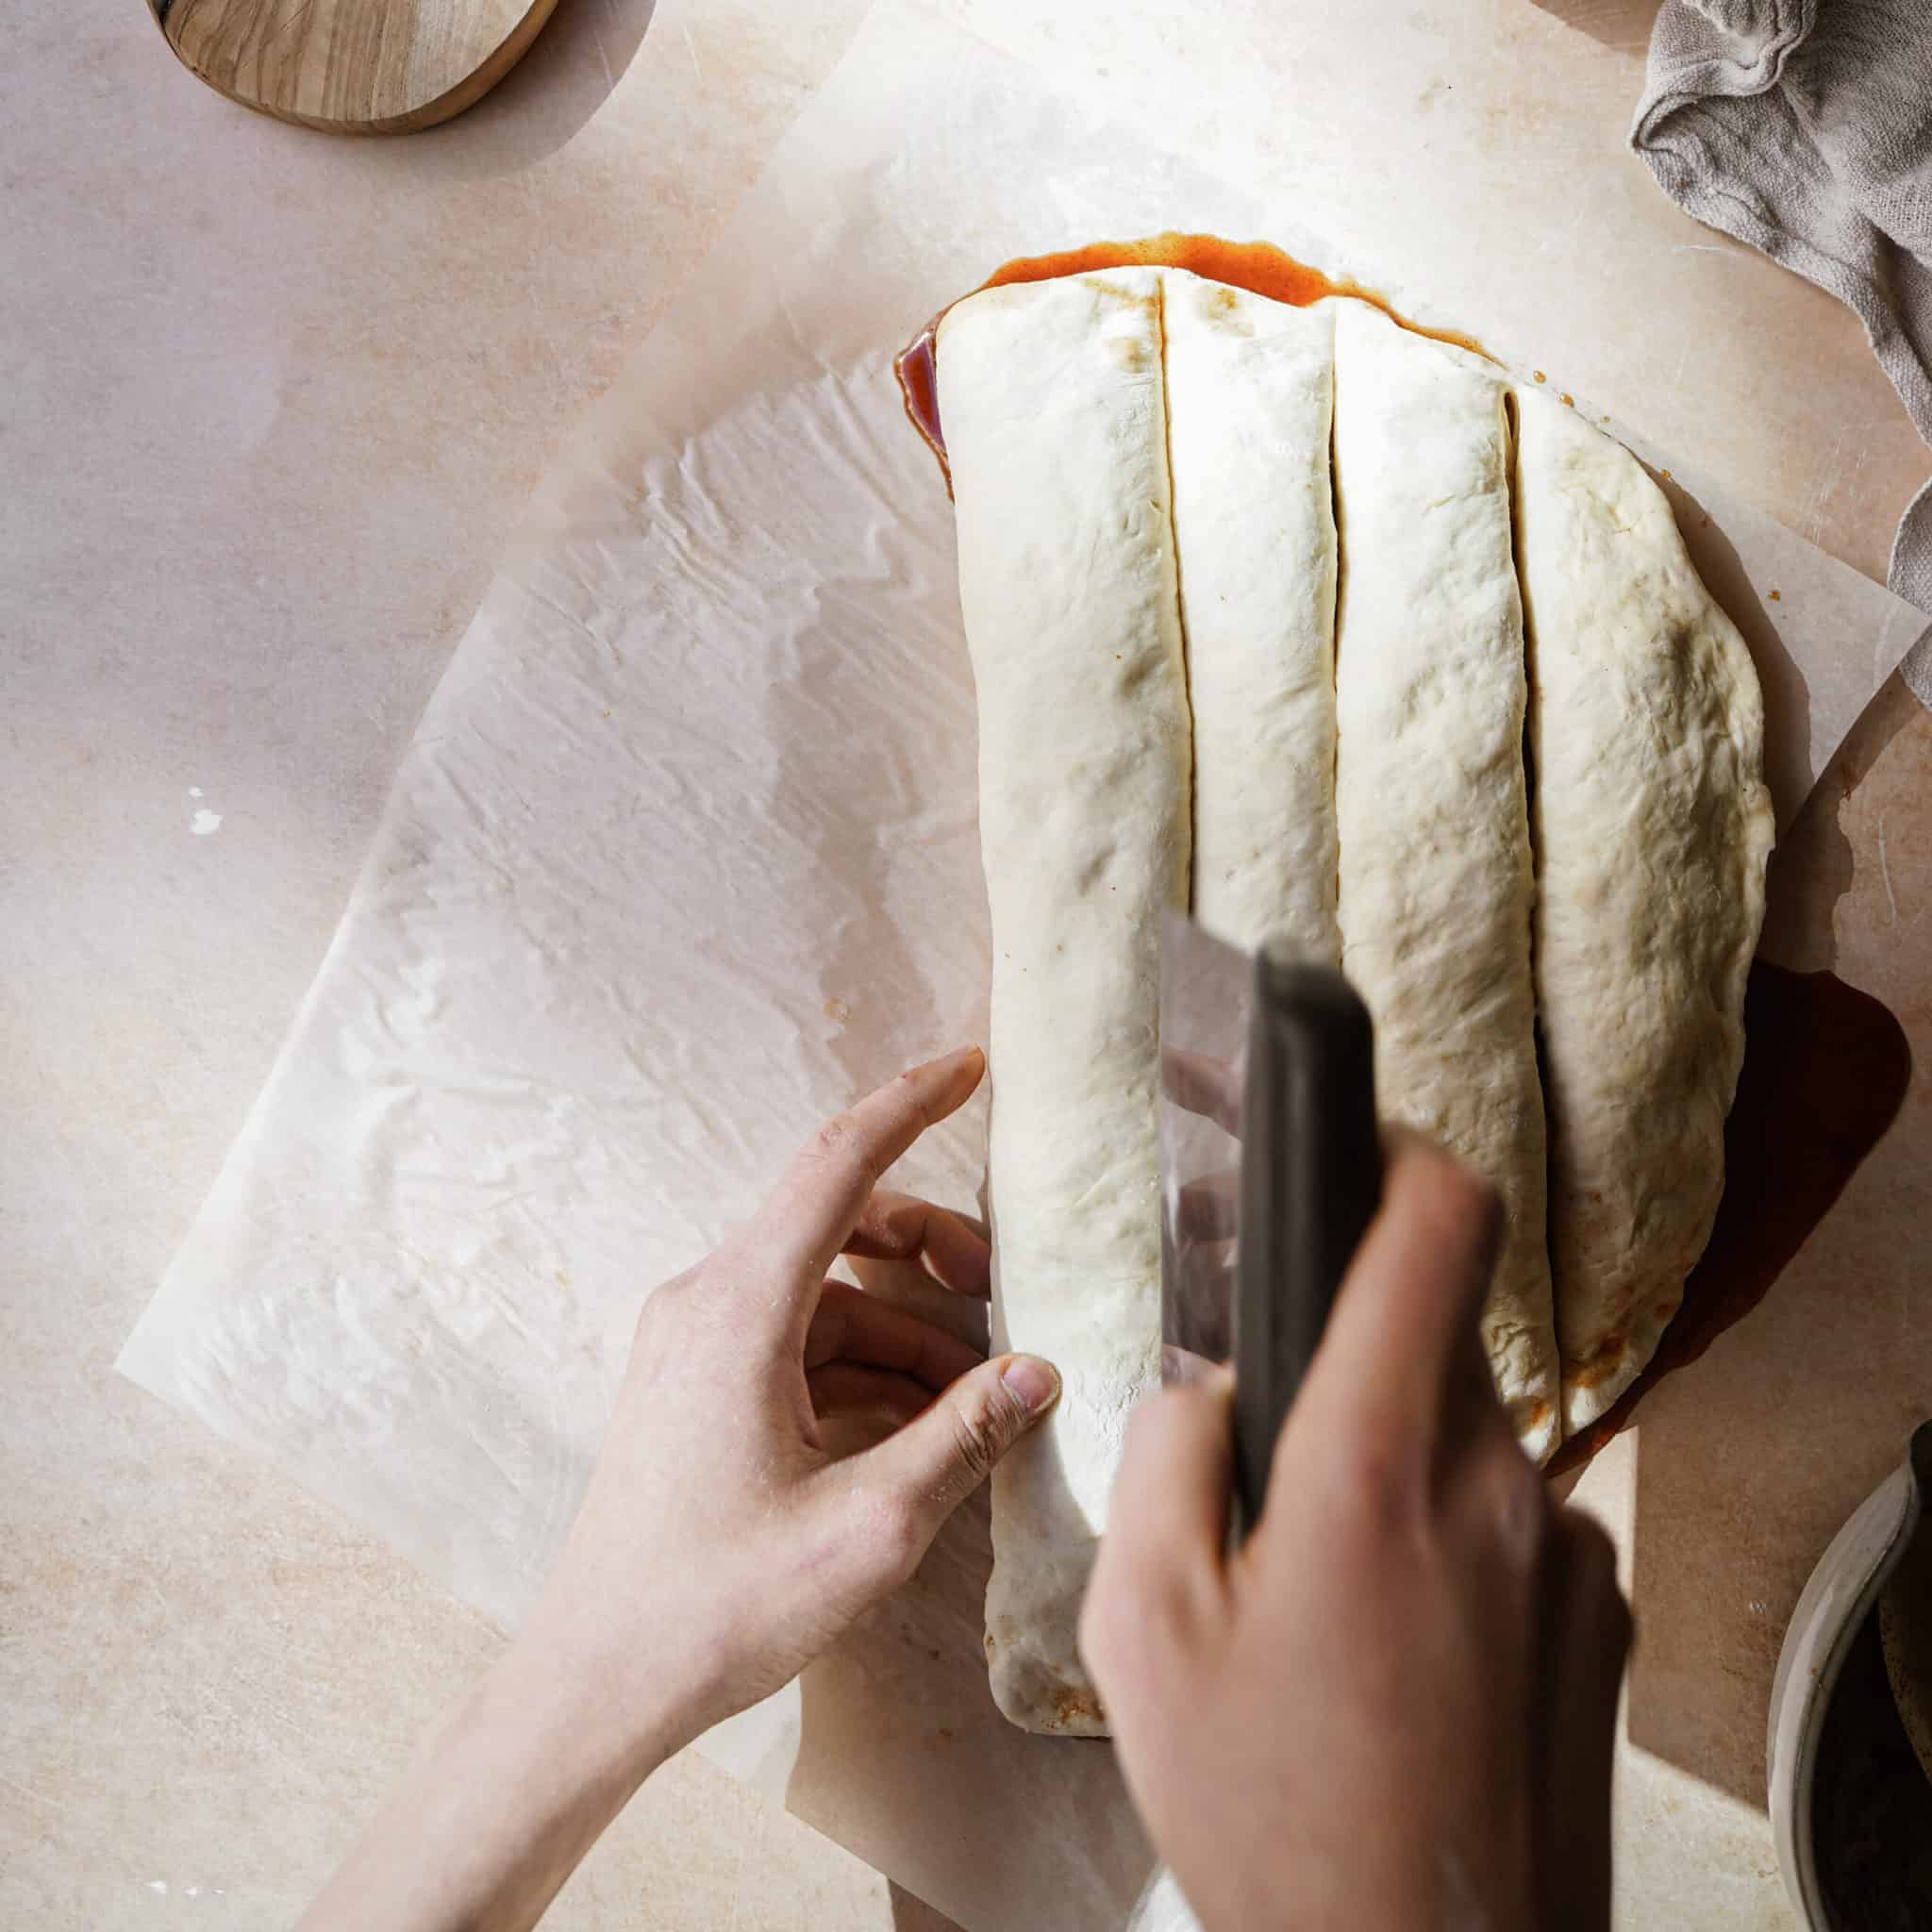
(1805, 129)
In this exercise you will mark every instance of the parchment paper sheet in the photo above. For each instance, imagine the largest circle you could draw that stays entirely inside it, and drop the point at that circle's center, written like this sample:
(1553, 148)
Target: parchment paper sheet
(683, 856)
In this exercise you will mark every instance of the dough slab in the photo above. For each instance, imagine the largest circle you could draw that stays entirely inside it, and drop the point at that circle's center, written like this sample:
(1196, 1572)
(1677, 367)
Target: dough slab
(1263, 603)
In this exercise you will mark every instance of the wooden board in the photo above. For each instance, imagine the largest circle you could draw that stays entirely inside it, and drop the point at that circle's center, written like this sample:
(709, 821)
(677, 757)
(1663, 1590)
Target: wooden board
(351, 66)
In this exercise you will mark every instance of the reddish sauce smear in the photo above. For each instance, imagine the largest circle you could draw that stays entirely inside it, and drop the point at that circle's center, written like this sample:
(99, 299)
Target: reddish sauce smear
(1258, 266)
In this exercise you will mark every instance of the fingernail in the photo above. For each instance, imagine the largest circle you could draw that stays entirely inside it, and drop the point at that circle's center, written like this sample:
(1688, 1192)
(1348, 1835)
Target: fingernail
(958, 1056)
(1034, 1383)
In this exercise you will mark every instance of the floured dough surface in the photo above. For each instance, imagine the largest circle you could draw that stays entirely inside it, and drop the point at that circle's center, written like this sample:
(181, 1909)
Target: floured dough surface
(1250, 388)
(1056, 427)
(1436, 880)
(1653, 827)
(1262, 602)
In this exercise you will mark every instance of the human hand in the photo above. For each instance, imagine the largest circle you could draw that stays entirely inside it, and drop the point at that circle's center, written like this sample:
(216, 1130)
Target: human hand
(723, 1542)
(1394, 1705)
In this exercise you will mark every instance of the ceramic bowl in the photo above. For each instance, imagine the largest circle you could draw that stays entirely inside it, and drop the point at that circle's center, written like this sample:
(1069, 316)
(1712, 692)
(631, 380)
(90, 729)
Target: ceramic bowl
(1843, 1591)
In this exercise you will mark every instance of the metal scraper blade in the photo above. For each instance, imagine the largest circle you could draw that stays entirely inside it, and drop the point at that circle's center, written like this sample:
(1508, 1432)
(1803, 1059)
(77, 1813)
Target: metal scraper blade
(1207, 995)
(1270, 1171)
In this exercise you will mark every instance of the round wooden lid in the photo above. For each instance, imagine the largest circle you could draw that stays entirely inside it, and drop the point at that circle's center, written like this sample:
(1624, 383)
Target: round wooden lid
(351, 66)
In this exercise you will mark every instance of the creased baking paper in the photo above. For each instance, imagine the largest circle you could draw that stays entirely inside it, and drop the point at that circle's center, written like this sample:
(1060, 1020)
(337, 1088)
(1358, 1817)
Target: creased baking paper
(682, 857)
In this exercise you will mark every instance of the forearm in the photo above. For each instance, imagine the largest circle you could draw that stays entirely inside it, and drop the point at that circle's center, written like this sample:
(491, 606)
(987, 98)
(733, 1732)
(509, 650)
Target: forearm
(505, 1798)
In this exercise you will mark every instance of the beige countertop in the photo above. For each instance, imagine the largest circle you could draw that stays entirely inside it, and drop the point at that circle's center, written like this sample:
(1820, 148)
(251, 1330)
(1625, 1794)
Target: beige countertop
(274, 402)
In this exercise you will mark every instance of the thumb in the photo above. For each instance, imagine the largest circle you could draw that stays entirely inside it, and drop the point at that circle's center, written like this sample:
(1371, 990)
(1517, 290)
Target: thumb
(946, 1451)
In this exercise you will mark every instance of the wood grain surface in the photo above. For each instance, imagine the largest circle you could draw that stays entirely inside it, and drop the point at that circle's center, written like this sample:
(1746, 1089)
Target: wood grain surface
(351, 66)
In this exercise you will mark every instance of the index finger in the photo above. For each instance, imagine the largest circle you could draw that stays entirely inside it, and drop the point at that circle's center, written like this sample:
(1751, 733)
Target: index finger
(808, 1218)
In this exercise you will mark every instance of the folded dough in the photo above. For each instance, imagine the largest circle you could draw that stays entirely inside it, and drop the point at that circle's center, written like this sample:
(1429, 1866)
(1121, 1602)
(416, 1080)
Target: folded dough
(1056, 426)
(1249, 389)
(1435, 884)
(1652, 827)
